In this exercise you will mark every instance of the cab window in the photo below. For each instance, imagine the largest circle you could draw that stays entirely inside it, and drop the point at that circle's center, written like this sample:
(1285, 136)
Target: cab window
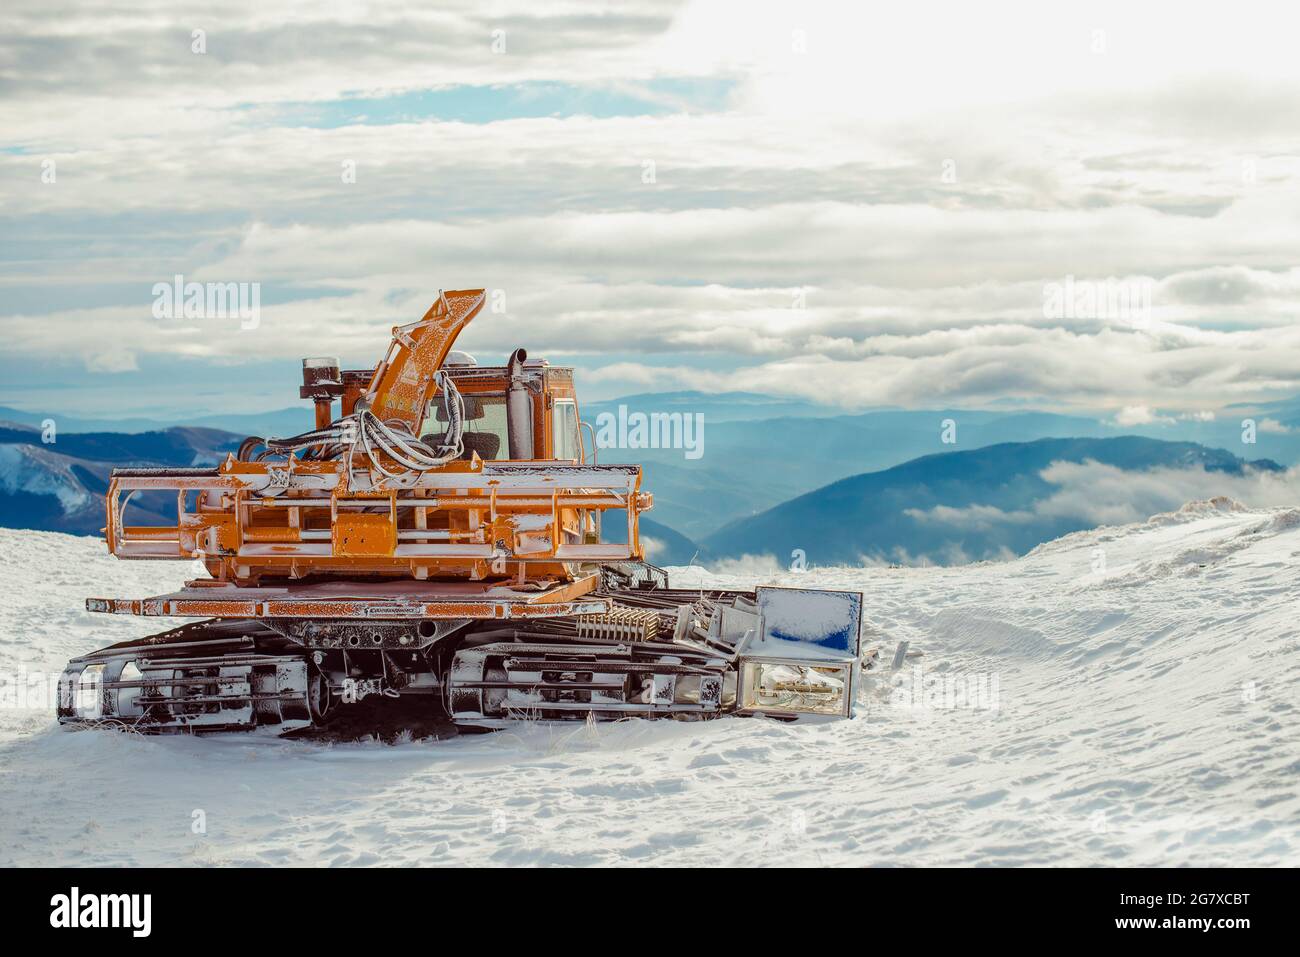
(564, 430)
(485, 425)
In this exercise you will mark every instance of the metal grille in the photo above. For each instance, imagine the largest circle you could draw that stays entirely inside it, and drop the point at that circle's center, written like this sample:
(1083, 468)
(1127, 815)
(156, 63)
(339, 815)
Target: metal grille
(620, 625)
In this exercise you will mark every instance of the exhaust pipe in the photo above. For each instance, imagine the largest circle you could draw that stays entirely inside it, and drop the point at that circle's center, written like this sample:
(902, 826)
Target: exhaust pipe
(519, 408)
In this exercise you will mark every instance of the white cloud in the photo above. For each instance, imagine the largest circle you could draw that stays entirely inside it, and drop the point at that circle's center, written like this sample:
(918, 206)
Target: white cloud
(747, 566)
(970, 517)
(111, 359)
(864, 60)
(1165, 158)
(1105, 495)
(1140, 415)
(1092, 494)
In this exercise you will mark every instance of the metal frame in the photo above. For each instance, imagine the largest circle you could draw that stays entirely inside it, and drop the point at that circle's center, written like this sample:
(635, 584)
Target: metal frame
(262, 515)
(356, 600)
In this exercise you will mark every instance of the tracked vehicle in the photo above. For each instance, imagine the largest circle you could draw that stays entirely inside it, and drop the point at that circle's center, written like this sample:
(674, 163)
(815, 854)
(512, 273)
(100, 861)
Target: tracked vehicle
(443, 538)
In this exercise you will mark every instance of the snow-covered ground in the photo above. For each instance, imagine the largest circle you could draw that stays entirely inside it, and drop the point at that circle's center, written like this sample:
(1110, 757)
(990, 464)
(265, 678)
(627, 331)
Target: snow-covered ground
(1121, 696)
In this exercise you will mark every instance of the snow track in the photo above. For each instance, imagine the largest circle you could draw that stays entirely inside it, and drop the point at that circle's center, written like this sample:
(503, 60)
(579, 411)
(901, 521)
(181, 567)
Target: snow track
(1119, 696)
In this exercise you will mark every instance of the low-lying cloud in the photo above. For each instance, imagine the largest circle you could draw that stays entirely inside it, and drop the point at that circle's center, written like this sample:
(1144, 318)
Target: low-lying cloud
(1092, 494)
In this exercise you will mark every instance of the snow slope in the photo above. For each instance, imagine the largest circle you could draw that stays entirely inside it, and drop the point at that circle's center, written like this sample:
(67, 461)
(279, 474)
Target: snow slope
(1145, 714)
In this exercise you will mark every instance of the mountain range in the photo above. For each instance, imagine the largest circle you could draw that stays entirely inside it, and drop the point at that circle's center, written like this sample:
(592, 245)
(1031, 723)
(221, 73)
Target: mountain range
(750, 466)
(987, 503)
(60, 485)
(277, 422)
(877, 486)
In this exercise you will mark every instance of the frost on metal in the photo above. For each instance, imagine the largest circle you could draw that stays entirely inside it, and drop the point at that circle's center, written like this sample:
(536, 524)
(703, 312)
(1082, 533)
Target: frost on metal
(804, 658)
(807, 622)
(438, 540)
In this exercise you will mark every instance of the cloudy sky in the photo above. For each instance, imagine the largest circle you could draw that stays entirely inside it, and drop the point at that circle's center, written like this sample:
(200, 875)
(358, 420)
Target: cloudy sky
(868, 205)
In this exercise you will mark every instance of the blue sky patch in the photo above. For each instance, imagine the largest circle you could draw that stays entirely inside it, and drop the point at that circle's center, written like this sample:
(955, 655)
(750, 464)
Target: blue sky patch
(487, 104)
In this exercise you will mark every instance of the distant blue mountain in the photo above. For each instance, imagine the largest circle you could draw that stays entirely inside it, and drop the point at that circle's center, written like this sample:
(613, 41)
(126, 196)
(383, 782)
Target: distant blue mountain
(59, 486)
(279, 422)
(664, 546)
(883, 515)
(175, 446)
(761, 450)
(749, 466)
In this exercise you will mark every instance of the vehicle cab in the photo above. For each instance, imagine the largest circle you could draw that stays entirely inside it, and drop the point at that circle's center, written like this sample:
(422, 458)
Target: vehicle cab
(544, 400)
(545, 408)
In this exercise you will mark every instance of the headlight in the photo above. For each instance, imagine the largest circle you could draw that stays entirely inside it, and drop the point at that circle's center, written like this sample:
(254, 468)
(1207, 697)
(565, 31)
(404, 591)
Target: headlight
(803, 657)
(89, 692)
(793, 686)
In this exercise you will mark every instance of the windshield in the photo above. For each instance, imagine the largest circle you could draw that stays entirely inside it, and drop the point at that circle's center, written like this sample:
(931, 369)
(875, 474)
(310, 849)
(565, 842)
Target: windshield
(485, 425)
